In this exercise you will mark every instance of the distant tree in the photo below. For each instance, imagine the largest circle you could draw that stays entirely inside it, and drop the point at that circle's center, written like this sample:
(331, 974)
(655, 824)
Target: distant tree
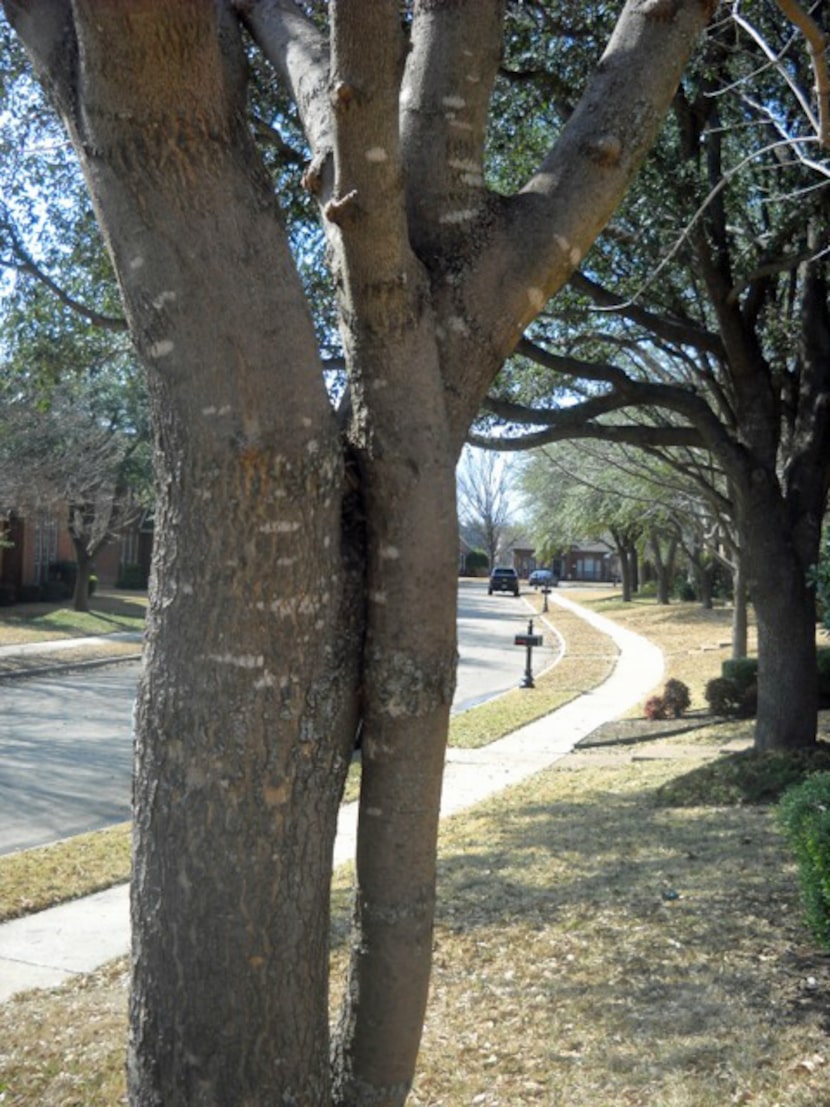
(82, 447)
(484, 483)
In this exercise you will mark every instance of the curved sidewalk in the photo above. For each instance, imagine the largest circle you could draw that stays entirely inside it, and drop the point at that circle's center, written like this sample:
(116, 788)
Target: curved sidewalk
(48, 948)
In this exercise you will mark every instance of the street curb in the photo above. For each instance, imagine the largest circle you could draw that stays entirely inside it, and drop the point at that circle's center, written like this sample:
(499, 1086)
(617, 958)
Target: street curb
(46, 670)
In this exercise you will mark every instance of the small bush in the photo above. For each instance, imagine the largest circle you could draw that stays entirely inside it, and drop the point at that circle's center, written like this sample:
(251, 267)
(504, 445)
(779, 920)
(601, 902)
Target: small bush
(56, 591)
(804, 817)
(676, 698)
(685, 591)
(742, 670)
(30, 593)
(132, 577)
(671, 705)
(477, 563)
(727, 698)
(8, 595)
(655, 708)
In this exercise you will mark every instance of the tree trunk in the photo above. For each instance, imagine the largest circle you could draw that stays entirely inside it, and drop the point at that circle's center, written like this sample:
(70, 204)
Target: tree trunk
(410, 676)
(740, 613)
(625, 555)
(663, 568)
(85, 565)
(243, 741)
(787, 673)
(782, 552)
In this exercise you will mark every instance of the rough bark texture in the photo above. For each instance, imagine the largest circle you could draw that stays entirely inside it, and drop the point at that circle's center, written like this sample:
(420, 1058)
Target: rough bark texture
(292, 552)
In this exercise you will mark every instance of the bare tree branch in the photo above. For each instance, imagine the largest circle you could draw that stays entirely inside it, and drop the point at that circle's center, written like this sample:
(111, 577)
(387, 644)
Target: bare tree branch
(817, 46)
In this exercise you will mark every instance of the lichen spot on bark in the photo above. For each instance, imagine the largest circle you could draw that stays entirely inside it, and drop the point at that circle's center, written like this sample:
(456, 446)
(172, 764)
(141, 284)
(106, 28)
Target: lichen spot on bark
(455, 102)
(376, 154)
(461, 215)
(161, 349)
(537, 298)
(238, 661)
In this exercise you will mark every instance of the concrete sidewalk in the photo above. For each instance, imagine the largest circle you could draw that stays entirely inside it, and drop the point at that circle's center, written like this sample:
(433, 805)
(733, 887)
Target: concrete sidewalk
(45, 949)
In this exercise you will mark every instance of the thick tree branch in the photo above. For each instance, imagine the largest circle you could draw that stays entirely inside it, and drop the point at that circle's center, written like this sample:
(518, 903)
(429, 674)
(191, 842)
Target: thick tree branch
(627, 434)
(299, 53)
(689, 404)
(671, 329)
(568, 202)
(445, 103)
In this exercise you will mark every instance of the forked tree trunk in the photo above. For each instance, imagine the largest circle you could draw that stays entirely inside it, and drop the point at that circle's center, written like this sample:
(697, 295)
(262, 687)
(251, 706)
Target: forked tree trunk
(270, 619)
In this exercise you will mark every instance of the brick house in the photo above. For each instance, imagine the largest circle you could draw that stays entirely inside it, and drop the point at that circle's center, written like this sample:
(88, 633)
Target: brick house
(32, 543)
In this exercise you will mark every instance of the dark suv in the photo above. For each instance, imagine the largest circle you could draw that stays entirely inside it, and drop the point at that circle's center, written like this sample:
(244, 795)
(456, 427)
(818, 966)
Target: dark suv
(504, 580)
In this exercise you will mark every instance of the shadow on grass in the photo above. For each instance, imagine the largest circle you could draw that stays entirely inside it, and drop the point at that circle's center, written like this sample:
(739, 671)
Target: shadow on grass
(117, 610)
(663, 913)
(747, 777)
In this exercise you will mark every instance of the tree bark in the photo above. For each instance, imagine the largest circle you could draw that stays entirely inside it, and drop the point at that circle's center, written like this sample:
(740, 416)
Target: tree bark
(740, 613)
(663, 567)
(80, 600)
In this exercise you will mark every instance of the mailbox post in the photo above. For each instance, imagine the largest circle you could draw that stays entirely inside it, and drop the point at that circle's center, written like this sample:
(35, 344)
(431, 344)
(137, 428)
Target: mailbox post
(528, 640)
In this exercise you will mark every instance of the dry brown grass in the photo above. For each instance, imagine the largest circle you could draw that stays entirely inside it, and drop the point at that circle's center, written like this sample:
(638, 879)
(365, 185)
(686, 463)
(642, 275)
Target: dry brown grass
(694, 641)
(33, 879)
(592, 949)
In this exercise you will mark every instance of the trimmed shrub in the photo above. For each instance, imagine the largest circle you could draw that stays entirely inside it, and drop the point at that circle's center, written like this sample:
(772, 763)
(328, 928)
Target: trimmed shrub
(8, 595)
(64, 572)
(476, 563)
(655, 708)
(804, 817)
(671, 704)
(30, 593)
(55, 591)
(685, 590)
(727, 698)
(742, 670)
(132, 577)
(676, 698)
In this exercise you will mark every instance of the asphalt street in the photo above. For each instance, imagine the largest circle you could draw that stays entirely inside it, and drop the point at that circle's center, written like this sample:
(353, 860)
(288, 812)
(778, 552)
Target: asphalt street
(65, 754)
(66, 739)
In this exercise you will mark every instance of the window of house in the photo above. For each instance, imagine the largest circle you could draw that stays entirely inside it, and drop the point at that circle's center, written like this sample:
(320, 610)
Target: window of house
(46, 546)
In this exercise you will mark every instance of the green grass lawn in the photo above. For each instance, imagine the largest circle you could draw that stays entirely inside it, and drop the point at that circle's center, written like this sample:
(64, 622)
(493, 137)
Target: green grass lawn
(43, 622)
